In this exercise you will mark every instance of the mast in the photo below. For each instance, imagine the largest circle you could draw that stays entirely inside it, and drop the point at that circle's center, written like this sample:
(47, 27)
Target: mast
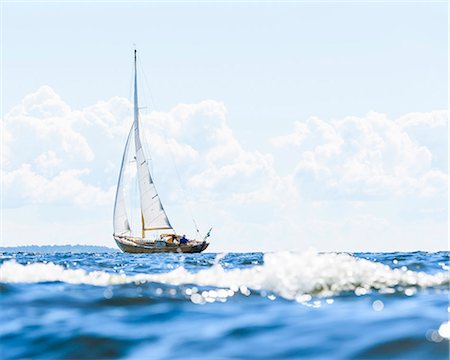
(136, 126)
(152, 212)
(136, 108)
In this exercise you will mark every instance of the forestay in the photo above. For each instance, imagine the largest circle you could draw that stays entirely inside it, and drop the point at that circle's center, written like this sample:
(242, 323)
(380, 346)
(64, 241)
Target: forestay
(153, 215)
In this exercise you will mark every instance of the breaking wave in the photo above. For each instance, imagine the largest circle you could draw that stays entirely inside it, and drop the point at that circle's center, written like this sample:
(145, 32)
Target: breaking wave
(286, 274)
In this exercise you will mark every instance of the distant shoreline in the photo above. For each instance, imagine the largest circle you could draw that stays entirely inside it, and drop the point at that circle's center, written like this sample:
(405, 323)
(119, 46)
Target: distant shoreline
(58, 249)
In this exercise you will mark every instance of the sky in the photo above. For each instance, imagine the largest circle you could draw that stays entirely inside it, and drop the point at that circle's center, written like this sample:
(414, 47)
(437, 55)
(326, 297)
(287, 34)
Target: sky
(284, 126)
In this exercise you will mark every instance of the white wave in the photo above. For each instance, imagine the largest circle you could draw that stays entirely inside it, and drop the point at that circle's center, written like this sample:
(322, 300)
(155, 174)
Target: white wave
(286, 274)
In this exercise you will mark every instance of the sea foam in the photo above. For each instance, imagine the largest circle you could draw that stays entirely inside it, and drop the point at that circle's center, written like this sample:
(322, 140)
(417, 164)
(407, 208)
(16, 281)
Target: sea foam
(286, 274)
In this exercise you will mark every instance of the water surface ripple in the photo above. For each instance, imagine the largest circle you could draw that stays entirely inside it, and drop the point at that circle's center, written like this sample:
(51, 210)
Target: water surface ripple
(283, 305)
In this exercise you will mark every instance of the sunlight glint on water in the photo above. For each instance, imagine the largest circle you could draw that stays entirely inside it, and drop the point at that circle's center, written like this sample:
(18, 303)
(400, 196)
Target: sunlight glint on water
(278, 304)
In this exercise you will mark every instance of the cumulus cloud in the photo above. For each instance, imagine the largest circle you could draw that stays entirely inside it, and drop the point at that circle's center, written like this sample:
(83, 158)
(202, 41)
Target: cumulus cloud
(66, 186)
(351, 158)
(368, 157)
(48, 160)
(53, 154)
(52, 144)
(44, 115)
(213, 163)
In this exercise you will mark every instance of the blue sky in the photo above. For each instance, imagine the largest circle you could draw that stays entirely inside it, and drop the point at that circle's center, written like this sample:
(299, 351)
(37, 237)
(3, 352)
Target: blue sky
(279, 80)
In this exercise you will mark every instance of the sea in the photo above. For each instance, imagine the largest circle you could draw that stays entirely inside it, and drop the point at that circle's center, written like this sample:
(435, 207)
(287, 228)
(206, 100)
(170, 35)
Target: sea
(280, 305)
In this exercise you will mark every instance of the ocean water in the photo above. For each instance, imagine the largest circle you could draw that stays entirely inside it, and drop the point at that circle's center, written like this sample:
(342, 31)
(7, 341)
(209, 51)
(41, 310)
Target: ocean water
(283, 305)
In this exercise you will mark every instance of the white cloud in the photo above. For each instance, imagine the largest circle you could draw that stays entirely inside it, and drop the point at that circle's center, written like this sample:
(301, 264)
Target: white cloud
(54, 154)
(50, 119)
(48, 160)
(212, 161)
(113, 117)
(7, 138)
(66, 186)
(432, 119)
(79, 143)
(300, 132)
(372, 156)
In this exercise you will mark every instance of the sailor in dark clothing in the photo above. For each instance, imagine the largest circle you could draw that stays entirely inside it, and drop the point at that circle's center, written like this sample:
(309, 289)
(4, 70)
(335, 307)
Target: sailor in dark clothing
(183, 240)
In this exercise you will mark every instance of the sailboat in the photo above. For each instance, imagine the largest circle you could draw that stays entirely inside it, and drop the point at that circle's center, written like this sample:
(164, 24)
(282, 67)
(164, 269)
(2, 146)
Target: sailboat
(153, 217)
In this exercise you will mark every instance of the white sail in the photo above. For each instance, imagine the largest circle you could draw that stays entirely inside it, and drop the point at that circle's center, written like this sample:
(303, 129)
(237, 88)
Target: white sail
(121, 223)
(153, 215)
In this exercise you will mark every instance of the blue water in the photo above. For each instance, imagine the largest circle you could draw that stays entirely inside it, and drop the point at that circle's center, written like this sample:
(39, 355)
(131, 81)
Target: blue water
(245, 306)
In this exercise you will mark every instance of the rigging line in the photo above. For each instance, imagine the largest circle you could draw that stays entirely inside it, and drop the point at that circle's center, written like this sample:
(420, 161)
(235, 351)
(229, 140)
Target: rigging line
(147, 153)
(146, 83)
(180, 182)
(145, 141)
(131, 85)
(144, 88)
(129, 182)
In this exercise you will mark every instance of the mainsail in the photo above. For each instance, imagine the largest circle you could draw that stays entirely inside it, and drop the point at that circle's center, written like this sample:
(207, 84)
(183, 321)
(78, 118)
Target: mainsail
(152, 212)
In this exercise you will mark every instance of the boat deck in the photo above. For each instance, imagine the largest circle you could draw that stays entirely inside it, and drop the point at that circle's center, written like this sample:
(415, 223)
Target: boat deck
(129, 246)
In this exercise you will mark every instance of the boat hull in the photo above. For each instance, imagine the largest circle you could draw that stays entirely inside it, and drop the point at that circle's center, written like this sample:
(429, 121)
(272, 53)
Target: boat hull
(133, 248)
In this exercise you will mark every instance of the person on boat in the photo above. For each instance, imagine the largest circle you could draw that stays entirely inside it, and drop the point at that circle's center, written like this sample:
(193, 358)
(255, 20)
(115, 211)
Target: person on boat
(183, 240)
